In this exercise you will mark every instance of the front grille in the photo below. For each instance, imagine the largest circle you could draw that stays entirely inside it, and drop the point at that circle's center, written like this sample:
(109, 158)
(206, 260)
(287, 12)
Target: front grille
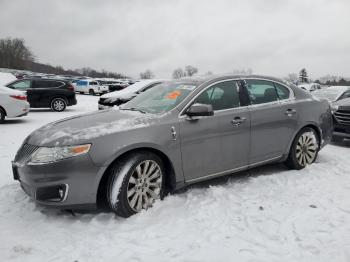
(342, 116)
(24, 153)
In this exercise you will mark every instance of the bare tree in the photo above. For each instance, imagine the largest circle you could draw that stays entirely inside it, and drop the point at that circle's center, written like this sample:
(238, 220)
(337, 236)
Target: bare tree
(178, 73)
(247, 71)
(148, 74)
(292, 77)
(14, 53)
(191, 70)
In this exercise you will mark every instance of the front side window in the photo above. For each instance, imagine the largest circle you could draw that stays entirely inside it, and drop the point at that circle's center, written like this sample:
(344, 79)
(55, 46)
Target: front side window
(261, 91)
(21, 85)
(221, 96)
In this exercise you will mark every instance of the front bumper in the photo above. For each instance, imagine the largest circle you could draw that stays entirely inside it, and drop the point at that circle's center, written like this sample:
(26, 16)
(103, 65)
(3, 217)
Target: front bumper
(341, 130)
(69, 183)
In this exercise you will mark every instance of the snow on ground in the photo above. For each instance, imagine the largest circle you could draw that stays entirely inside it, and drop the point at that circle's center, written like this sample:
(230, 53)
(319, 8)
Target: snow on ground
(267, 214)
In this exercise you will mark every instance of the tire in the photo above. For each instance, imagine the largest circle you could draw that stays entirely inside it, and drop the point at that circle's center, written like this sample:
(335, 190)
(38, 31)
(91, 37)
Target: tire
(304, 149)
(58, 104)
(81, 93)
(2, 116)
(91, 92)
(129, 189)
(337, 139)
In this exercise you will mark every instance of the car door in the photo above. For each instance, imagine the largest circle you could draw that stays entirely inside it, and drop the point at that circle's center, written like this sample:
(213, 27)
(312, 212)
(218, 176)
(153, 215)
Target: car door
(273, 119)
(216, 144)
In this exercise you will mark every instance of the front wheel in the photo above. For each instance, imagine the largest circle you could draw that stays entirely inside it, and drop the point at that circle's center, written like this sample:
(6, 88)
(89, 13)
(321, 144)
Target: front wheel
(58, 104)
(135, 183)
(92, 92)
(304, 149)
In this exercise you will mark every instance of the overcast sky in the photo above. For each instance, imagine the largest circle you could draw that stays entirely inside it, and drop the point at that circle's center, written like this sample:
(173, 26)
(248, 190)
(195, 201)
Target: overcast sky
(272, 37)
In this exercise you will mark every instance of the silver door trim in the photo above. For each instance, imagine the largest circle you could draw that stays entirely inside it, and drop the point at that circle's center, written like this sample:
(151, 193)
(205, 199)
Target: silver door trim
(232, 170)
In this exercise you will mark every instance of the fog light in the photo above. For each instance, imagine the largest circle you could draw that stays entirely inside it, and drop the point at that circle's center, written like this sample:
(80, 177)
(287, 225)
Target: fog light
(52, 193)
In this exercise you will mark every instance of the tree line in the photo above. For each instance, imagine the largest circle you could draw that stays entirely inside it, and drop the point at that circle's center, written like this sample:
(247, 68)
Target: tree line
(14, 54)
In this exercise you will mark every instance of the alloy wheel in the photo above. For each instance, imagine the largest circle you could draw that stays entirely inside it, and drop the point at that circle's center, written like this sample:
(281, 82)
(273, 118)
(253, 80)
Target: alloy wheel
(144, 185)
(306, 149)
(58, 105)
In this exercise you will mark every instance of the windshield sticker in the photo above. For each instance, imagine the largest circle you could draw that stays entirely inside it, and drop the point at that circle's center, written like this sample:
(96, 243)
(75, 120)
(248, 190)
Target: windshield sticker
(173, 95)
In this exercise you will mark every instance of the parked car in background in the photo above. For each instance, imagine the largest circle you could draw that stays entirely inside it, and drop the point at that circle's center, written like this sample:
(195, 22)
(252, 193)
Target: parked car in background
(310, 87)
(172, 135)
(120, 97)
(333, 93)
(90, 86)
(43, 93)
(341, 119)
(114, 85)
(13, 103)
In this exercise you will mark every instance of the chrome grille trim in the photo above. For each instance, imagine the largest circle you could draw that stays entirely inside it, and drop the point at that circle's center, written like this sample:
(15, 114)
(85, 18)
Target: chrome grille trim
(342, 116)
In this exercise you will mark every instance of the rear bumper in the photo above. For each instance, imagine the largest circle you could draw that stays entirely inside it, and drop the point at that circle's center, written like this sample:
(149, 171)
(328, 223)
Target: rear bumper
(72, 101)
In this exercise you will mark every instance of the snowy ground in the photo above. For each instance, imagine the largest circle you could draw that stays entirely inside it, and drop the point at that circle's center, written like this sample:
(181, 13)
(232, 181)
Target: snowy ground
(267, 214)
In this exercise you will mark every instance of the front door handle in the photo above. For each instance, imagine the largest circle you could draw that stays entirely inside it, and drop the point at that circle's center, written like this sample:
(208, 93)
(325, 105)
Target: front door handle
(290, 112)
(237, 121)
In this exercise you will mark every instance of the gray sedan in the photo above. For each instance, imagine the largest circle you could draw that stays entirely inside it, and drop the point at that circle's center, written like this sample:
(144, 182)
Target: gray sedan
(170, 136)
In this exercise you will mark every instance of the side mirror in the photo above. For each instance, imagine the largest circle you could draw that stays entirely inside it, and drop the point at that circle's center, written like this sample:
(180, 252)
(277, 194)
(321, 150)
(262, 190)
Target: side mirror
(200, 110)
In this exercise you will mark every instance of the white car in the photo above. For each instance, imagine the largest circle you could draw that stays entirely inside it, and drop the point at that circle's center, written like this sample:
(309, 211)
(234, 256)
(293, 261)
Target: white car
(333, 93)
(13, 103)
(117, 98)
(90, 86)
(310, 87)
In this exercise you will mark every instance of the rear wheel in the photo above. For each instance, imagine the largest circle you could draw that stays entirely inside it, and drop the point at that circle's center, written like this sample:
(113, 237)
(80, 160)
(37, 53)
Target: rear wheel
(304, 149)
(135, 183)
(58, 104)
(2, 116)
(92, 92)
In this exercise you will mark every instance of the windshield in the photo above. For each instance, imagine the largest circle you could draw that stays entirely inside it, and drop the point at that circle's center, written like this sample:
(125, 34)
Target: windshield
(330, 95)
(161, 98)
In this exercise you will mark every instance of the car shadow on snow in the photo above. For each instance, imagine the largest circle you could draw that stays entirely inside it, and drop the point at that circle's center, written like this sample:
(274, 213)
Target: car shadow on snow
(13, 121)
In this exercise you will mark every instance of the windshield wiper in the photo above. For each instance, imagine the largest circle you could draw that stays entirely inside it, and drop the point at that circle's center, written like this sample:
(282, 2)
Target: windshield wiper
(134, 109)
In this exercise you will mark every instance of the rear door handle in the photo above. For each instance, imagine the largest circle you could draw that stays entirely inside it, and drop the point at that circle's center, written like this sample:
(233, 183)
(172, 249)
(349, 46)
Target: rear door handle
(237, 121)
(290, 112)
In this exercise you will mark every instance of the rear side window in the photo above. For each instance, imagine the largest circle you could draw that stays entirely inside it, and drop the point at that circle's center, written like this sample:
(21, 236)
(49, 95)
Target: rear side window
(82, 83)
(21, 85)
(221, 96)
(282, 91)
(56, 84)
(261, 91)
(47, 84)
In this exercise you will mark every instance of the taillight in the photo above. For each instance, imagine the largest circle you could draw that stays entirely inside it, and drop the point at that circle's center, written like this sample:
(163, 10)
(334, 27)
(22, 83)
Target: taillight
(71, 88)
(19, 97)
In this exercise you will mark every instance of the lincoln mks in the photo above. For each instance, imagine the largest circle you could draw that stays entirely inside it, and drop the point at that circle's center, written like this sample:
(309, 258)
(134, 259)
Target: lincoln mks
(170, 136)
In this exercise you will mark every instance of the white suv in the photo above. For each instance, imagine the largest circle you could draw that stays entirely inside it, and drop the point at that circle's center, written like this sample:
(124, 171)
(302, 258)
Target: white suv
(90, 86)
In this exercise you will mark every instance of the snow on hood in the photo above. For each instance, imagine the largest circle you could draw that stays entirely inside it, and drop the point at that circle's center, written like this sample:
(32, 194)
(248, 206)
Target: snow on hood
(84, 128)
(342, 102)
(127, 92)
(6, 78)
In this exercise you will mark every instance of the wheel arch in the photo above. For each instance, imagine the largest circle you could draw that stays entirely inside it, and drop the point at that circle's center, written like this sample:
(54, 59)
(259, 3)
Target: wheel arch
(170, 178)
(311, 125)
(3, 109)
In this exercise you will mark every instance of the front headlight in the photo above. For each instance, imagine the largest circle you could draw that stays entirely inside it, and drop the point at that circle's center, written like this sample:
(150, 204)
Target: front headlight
(51, 154)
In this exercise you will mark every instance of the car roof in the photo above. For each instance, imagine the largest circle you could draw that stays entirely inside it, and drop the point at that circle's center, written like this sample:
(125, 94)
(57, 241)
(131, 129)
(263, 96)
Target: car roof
(197, 80)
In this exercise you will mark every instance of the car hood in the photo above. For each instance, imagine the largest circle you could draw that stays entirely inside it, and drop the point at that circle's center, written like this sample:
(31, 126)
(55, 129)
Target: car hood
(85, 128)
(342, 103)
(125, 96)
(119, 94)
